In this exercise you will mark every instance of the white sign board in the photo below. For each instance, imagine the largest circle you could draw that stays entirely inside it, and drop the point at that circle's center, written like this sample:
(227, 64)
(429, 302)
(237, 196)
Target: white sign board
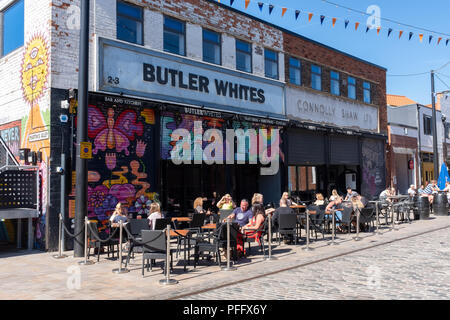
(306, 106)
(138, 71)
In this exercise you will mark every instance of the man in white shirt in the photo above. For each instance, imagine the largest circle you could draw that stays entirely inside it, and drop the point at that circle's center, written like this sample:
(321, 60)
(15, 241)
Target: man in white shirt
(412, 190)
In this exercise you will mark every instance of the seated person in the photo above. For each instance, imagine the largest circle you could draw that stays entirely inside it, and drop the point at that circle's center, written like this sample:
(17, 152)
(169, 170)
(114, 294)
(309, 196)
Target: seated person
(226, 203)
(447, 190)
(119, 214)
(320, 200)
(350, 194)
(334, 195)
(283, 209)
(385, 194)
(155, 213)
(420, 190)
(430, 189)
(335, 204)
(289, 202)
(250, 228)
(259, 198)
(412, 190)
(198, 208)
(242, 214)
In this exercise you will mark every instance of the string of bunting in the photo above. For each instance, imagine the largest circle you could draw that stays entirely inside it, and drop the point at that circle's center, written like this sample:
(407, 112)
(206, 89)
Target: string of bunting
(310, 15)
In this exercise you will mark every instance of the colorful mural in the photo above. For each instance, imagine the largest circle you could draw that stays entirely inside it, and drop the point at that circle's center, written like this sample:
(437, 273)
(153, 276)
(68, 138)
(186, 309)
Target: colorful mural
(373, 170)
(122, 168)
(171, 121)
(10, 133)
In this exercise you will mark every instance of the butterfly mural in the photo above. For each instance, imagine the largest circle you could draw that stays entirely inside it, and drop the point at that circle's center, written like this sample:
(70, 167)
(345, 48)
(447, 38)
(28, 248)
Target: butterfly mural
(110, 133)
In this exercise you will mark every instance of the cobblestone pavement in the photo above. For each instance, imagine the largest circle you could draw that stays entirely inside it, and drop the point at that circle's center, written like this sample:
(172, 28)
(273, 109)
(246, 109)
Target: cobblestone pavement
(411, 263)
(415, 268)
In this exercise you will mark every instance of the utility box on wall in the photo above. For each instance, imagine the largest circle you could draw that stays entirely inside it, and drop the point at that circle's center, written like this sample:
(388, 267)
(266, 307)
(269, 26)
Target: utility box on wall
(350, 180)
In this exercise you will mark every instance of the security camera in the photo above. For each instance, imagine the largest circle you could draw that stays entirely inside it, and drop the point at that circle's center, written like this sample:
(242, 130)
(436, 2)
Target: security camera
(59, 170)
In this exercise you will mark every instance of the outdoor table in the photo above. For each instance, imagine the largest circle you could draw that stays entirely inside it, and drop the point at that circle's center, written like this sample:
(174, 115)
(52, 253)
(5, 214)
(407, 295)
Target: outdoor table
(391, 205)
(209, 226)
(182, 219)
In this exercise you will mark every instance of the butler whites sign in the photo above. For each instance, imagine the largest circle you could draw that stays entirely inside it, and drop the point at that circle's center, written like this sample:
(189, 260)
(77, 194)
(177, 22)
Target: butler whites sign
(306, 106)
(129, 69)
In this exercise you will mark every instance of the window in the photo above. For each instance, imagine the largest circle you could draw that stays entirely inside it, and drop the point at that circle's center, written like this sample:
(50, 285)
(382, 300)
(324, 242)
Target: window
(129, 23)
(211, 47)
(243, 56)
(13, 27)
(427, 125)
(367, 97)
(271, 63)
(351, 87)
(335, 84)
(316, 77)
(174, 36)
(447, 131)
(295, 74)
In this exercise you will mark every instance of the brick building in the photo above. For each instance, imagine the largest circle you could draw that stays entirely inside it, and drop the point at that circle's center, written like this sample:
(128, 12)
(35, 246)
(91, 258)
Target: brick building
(189, 66)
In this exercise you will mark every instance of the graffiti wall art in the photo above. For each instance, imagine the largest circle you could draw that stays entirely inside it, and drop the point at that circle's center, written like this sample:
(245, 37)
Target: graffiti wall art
(373, 170)
(123, 166)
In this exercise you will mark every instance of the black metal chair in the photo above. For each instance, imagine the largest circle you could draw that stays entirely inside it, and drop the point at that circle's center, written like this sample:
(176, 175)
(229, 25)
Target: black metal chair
(161, 223)
(93, 242)
(287, 224)
(198, 220)
(367, 216)
(249, 238)
(318, 220)
(134, 229)
(154, 247)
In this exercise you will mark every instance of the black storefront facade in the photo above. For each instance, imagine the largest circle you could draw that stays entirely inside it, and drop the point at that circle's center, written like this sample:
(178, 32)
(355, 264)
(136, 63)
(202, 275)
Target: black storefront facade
(153, 120)
(332, 143)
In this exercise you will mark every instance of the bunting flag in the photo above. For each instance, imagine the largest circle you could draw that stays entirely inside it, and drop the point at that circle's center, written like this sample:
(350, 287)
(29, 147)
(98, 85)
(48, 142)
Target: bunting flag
(283, 11)
(270, 8)
(321, 19)
(446, 42)
(389, 32)
(410, 35)
(260, 5)
(247, 2)
(421, 36)
(367, 29)
(231, 2)
(378, 30)
(310, 16)
(297, 13)
(430, 38)
(334, 22)
(439, 40)
(346, 23)
(400, 34)
(356, 25)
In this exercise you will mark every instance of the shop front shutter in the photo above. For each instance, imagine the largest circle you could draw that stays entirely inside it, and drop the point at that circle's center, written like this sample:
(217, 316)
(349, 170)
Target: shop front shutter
(344, 150)
(306, 148)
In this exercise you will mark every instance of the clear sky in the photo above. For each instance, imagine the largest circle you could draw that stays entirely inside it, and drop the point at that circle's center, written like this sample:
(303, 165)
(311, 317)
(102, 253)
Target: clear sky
(399, 56)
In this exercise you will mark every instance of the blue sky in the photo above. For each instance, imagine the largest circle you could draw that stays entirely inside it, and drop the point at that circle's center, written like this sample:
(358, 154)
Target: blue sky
(398, 56)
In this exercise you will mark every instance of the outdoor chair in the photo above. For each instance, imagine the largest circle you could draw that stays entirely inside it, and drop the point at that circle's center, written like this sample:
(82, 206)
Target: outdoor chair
(134, 229)
(248, 236)
(154, 247)
(367, 216)
(93, 242)
(161, 223)
(318, 220)
(287, 226)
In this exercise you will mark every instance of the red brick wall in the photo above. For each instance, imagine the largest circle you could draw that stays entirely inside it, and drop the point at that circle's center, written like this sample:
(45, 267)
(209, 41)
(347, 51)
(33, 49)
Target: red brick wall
(340, 62)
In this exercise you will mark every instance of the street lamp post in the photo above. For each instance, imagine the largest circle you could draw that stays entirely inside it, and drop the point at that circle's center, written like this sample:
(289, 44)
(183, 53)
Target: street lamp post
(81, 165)
(435, 148)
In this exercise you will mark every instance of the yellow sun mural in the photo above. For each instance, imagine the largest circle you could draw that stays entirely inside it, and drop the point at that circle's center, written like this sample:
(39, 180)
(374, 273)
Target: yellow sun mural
(34, 77)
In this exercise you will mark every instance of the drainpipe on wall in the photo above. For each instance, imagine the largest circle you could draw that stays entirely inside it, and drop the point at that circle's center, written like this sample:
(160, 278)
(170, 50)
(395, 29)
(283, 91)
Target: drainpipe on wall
(419, 160)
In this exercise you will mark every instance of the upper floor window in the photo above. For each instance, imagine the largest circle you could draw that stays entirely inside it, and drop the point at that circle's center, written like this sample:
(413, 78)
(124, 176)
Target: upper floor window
(426, 125)
(316, 77)
(130, 20)
(211, 47)
(351, 87)
(243, 56)
(271, 63)
(295, 74)
(367, 95)
(174, 36)
(13, 27)
(334, 86)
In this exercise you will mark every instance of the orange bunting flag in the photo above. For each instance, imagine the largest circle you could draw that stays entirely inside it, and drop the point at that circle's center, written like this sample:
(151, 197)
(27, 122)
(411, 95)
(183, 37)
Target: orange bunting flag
(356, 25)
(439, 40)
(247, 2)
(378, 30)
(310, 16)
(421, 37)
(400, 34)
(334, 21)
(283, 11)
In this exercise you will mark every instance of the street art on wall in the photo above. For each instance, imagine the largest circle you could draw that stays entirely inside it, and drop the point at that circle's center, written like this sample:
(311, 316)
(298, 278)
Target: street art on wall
(122, 168)
(171, 121)
(10, 133)
(373, 170)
